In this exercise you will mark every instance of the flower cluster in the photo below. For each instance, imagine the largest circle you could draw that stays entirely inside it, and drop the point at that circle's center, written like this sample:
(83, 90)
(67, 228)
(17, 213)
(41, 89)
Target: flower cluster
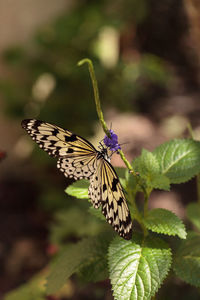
(112, 142)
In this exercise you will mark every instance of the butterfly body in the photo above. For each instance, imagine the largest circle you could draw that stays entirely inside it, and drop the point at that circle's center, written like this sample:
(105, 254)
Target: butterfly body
(78, 159)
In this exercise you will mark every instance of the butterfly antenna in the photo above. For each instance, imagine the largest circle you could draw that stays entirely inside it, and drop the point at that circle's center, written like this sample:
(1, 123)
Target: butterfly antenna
(124, 143)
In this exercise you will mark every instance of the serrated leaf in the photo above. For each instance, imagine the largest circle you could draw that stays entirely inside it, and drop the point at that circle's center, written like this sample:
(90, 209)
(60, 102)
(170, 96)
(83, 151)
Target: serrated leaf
(147, 163)
(78, 189)
(179, 159)
(74, 258)
(193, 214)
(187, 260)
(159, 181)
(149, 170)
(164, 221)
(137, 267)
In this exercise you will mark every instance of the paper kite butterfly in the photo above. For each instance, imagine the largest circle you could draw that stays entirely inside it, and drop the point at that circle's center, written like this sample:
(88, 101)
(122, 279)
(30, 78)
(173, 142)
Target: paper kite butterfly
(78, 159)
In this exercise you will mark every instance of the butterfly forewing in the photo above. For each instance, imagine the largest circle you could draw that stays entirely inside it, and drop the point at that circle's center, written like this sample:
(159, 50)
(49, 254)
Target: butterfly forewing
(106, 188)
(77, 158)
(57, 141)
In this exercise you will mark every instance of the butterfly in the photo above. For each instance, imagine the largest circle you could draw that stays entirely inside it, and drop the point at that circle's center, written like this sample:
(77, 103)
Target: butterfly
(78, 159)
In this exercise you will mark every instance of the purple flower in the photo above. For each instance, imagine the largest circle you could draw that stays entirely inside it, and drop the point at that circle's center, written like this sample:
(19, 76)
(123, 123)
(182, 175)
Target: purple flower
(112, 142)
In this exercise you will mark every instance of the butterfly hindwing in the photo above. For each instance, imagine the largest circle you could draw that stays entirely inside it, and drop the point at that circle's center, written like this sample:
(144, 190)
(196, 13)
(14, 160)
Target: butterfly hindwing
(95, 191)
(77, 167)
(105, 188)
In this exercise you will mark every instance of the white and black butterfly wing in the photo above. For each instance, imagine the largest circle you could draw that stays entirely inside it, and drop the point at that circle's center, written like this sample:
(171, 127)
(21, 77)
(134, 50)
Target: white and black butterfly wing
(105, 189)
(78, 167)
(57, 141)
(77, 157)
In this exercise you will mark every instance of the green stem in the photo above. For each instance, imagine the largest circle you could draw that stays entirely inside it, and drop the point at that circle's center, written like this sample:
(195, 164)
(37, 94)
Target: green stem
(99, 110)
(146, 200)
(137, 215)
(127, 163)
(96, 93)
(105, 128)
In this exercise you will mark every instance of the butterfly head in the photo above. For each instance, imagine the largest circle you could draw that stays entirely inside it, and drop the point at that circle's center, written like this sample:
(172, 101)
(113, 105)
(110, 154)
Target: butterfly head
(103, 151)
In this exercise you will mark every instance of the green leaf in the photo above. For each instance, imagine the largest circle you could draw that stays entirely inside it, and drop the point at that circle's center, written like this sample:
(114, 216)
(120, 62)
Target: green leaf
(148, 167)
(187, 260)
(164, 221)
(137, 267)
(120, 172)
(97, 269)
(76, 257)
(97, 213)
(193, 214)
(179, 160)
(78, 189)
(147, 163)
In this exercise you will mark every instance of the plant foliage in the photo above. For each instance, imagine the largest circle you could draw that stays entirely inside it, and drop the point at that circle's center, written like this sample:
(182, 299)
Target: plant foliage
(187, 260)
(137, 267)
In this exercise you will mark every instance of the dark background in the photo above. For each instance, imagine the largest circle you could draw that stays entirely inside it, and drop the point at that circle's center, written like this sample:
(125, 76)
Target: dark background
(146, 58)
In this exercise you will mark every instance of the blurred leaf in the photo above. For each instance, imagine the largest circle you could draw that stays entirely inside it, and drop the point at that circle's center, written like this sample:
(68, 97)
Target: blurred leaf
(187, 260)
(74, 222)
(14, 55)
(97, 270)
(193, 214)
(74, 258)
(52, 198)
(120, 172)
(34, 289)
(166, 222)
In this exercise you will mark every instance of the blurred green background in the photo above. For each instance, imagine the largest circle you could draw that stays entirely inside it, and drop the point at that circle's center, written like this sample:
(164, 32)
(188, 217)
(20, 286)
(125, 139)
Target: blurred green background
(146, 58)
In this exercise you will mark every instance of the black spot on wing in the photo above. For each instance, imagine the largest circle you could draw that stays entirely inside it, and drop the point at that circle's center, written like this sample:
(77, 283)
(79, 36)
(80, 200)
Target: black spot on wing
(55, 132)
(70, 150)
(71, 138)
(104, 187)
(119, 202)
(114, 184)
(24, 123)
(44, 138)
(36, 124)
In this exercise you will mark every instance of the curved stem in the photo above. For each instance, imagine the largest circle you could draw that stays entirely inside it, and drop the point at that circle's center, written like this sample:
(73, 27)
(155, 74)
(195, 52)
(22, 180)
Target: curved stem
(106, 130)
(137, 215)
(146, 200)
(96, 93)
(99, 110)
